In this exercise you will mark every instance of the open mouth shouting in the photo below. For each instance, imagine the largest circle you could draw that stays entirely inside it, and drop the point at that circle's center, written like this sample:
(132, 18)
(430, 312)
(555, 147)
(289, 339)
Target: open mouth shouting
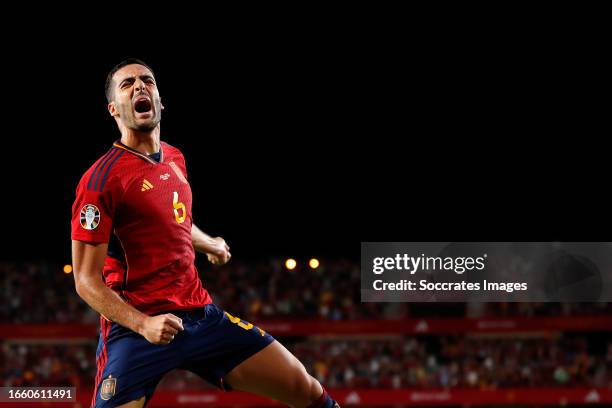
(142, 104)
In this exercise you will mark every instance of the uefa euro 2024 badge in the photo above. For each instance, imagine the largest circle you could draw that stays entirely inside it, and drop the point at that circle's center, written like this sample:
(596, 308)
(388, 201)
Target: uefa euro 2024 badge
(90, 217)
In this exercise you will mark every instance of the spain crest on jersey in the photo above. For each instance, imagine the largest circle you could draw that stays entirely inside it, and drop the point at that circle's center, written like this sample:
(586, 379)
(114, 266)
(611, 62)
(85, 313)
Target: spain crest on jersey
(90, 217)
(107, 390)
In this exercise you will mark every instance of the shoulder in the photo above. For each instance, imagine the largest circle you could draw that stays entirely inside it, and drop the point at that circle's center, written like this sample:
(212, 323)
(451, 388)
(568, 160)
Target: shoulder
(172, 153)
(103, 170)
(171, 150)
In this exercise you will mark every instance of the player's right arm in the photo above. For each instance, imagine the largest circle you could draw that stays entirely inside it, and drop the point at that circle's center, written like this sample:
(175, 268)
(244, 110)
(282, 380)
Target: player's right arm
(98, 196)
(88, 262)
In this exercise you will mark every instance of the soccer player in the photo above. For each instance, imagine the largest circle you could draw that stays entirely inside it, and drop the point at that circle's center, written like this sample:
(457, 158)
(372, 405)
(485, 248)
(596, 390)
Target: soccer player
(134, 205)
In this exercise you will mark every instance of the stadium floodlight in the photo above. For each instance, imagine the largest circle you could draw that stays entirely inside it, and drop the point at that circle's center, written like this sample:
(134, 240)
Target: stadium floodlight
(313, 263)
(290, 264)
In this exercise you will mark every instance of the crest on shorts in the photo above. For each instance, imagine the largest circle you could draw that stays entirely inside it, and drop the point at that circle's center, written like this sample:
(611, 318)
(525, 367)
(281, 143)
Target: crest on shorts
(90, 217)
(107, 390)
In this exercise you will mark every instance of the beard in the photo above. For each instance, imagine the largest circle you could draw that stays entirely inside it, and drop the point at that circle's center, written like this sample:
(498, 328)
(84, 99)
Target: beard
(143, 125)
(146, 126)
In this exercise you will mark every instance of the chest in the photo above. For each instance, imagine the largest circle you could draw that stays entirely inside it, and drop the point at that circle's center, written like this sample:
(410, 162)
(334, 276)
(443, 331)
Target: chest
(157, 192)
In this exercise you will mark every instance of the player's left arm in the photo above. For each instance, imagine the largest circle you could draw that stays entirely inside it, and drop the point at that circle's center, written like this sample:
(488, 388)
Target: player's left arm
(216, 249)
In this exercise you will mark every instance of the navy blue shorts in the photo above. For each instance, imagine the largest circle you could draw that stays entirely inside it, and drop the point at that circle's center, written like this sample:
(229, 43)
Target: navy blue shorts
(212, 344)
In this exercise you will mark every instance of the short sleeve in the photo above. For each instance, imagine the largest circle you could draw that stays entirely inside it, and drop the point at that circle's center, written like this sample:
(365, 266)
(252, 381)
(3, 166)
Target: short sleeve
(93, 211)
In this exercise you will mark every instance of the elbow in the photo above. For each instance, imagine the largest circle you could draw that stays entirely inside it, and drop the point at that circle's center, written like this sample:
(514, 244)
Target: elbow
(82, 287)
(78, 285)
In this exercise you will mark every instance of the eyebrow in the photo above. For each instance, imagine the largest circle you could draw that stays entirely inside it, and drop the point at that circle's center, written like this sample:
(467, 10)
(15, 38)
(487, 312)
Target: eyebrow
(132, 78)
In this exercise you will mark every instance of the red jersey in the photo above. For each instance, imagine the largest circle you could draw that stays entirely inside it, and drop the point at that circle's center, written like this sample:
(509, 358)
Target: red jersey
(146, 206)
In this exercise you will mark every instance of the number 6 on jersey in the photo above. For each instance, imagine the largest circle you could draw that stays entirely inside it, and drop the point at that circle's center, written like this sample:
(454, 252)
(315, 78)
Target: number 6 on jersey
(178, 206)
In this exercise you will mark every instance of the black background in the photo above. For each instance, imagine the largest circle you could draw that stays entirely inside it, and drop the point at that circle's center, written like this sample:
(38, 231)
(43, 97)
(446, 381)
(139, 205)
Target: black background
(306, 143)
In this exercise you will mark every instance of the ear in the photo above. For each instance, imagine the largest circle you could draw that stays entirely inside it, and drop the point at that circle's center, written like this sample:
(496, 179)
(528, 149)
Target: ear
(162, 105)
(112, 109)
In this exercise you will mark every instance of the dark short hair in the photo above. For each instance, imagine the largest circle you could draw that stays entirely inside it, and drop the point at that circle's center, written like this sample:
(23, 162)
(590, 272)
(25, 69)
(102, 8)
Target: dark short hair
(109, 78)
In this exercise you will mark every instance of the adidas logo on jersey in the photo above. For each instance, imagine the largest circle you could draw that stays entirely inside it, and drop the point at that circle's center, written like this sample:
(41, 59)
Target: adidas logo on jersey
(146, 185)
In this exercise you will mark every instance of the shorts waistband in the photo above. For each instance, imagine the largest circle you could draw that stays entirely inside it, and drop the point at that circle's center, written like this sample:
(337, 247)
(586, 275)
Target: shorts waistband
(184, 313)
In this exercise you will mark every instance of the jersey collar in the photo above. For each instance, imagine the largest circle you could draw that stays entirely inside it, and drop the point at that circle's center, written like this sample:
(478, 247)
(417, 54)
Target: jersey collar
(143, 156)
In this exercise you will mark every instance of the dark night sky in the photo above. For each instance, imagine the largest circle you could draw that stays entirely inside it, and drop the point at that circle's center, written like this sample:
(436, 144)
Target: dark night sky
(308, 146)
(267, 134)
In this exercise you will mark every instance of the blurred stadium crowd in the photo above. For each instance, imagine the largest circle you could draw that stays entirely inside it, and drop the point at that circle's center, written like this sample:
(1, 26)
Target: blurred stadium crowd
(421, 363)
(42, 293)
(39, 293)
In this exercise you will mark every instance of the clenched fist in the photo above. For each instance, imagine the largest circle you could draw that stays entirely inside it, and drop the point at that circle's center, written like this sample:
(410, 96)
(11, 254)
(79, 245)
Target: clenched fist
(219, 253)
(161, 329)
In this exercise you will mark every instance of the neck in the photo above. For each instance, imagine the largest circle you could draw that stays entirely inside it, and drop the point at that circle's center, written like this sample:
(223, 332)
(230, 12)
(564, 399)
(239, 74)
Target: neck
(147, 142)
